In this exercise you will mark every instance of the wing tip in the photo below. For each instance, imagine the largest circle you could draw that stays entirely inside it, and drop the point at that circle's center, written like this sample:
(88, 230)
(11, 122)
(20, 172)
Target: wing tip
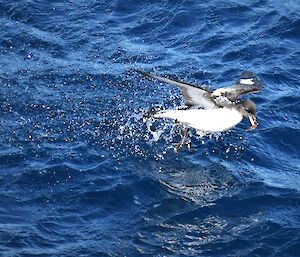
(249, 78)
(140, 72)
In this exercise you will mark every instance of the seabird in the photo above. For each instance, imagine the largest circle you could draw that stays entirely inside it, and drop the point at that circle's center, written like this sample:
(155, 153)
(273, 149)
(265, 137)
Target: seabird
(212, 111)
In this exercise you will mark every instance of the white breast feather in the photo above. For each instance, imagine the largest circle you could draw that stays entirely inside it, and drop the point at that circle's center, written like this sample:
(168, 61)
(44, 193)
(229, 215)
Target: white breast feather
(212, 120)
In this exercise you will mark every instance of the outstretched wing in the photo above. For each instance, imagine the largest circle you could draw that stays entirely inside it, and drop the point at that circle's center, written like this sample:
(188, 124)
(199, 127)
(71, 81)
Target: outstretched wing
(247, 83)
(193, 95)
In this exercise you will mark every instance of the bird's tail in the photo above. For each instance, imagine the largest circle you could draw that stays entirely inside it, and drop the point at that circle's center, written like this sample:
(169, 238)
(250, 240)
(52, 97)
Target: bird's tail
(158, 114)
(151, 113)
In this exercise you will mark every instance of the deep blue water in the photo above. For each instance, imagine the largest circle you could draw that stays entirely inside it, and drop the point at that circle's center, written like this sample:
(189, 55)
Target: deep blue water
(83, 174)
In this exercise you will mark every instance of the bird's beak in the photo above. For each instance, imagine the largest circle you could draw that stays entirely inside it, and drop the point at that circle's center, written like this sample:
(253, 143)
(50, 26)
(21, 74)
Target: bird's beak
(253, 121)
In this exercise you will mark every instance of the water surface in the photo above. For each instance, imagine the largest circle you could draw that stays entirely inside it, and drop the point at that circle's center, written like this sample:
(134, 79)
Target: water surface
(82, 173)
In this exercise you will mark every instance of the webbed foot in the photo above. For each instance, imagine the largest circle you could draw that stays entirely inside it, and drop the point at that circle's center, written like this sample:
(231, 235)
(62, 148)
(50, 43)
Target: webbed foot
(182, 143)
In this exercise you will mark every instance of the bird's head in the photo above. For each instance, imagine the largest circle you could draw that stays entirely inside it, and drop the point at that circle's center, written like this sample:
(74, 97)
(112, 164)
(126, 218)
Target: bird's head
(248, 109)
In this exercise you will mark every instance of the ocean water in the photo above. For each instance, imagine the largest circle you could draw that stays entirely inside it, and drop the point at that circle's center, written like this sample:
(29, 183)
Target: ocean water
(83, 173)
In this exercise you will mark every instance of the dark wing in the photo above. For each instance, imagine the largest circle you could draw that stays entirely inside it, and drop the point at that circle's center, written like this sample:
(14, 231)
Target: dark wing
(247, 83)
(193, 95)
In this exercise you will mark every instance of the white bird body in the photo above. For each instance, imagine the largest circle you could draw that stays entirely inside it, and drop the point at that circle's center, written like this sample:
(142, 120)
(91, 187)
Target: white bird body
(210, 120)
